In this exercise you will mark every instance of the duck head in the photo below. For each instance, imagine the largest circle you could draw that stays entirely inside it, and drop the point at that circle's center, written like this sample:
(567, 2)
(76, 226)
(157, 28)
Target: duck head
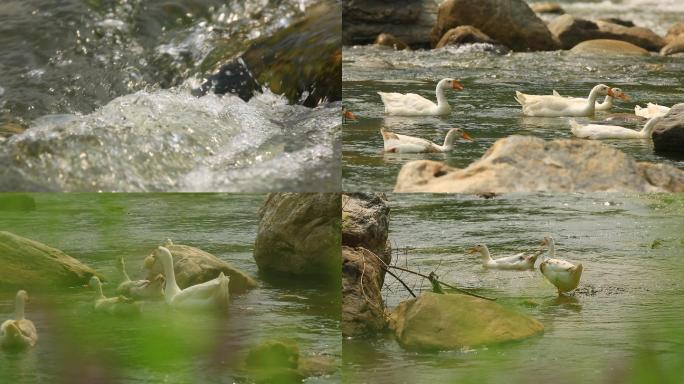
(451, 83)
(617, 93)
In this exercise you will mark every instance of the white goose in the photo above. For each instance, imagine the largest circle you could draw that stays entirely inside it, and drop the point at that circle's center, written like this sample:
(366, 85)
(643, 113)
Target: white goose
(564, 275)
(18, 333)
(517, 262)
(211, 294)
(556, 106)
(598, 131)
(139, 289)
(395, 143)
(119, 305)
(606, 105)
(651, 110)
(411, 104)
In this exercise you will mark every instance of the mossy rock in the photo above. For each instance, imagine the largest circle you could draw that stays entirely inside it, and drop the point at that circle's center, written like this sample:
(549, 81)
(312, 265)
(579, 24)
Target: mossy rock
(29, 264)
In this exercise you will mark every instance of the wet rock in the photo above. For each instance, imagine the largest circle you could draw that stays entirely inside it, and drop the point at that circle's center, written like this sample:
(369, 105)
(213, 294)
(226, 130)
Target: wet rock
(304, 59)
(453, 321)
(28, 264)
(674, 32)
(299, 235)
(365, 221)
(387, 40)
(643, 37)
(553, 8)
(530, 164)
(570, 31)
(194, 266)
(510, 22)
(410, 21)
(618, 21)
(609, 47)
(668, 135)
(675, 46)
(464, 34)
(363, 310)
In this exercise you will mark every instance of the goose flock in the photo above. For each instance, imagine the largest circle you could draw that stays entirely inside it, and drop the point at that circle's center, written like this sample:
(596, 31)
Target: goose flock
(564, 275)
(553, 105)
(20, 333)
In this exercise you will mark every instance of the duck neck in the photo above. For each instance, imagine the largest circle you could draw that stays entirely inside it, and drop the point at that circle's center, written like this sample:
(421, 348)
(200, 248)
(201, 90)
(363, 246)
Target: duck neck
(171, 289)
(591, 100)
(19, 305)
(552, 249)
(98, 291)
(485, 255)
(442, 102)
(647, 130)
(607, 102)
(449, 140)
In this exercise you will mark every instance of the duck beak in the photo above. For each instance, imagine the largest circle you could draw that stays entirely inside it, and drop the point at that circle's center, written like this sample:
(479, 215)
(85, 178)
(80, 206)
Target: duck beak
(471, 250)
(542, 242)
(622, 96)
(457, 85)
(466, 136)
(611, 93)
(349, 115)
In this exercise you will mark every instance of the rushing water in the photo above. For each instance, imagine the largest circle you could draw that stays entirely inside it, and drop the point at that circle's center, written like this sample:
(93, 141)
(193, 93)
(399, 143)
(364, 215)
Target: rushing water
(79, 346)
(486, 108)
(104, 88)
(628, 305)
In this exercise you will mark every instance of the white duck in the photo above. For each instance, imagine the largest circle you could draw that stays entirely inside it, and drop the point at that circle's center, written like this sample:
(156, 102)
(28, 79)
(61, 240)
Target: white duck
(598, 131)
(556, 106)
(651, 110)
(606, 105)
(139, 289)
(564, 275)
(518, 262)
(211, 294)
(411, 104)
(18, 333)
(395, 143)
(119, 305)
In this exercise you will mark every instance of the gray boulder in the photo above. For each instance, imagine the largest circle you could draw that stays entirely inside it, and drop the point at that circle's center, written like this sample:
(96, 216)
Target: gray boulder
(668, 135)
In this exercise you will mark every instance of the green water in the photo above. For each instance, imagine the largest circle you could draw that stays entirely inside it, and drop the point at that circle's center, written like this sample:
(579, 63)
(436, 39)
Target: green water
(623, 321)
(485, 108)
(77, 345)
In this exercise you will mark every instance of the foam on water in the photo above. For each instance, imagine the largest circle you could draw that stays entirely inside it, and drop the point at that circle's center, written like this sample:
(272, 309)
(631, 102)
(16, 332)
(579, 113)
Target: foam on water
(171, 140)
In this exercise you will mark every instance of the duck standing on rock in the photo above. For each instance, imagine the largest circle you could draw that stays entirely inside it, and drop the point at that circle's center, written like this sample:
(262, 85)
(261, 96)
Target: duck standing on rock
(19, 333)
(410, 104)
(519, 262)
(562, 274)
(394, 143)
(557, 106)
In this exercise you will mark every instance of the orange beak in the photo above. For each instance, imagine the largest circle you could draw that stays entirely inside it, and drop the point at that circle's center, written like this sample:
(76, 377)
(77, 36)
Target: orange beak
(543, 242)
(471, 250)
(349, 115)
(466, 136)
(622, 96)
(457, 85)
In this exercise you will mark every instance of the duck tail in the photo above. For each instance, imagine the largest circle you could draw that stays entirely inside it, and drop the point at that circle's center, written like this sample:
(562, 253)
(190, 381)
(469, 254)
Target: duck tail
(574, 125)
(577, 270)
(13, 330)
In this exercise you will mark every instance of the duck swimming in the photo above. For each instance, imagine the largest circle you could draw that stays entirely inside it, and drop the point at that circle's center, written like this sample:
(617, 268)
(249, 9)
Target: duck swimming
(139, 289)
(557, 106)
(564, 275)
(19, 333)
(119, 305)
(517, 262)
(396, 143)
(410, 104)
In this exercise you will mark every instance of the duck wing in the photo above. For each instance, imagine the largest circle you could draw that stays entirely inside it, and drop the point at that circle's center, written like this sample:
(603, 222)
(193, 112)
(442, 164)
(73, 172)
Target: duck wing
(410, 103)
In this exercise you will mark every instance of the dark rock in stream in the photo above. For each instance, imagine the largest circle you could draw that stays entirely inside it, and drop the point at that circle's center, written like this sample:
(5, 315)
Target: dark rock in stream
(299, 235)
(668, 135)
(465, 34)
(530, 164)
(303, 62)
(365, 222)
(194, 266)
(510, 22)
(30, 265)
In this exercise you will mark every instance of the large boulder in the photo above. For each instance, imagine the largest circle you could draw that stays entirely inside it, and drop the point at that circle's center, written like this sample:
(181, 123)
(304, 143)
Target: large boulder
(363, 310)
(194, 266)
(453, 321)
(668, 135)
(464, 34)
(674, 32)
(530, 164)
(304, 59)
(570, 31)
(28, 264)
(609, 47)
(410, 21)
(365, 221)
(675, 45)
(299, 235)
(510, 22)
(552, 8)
